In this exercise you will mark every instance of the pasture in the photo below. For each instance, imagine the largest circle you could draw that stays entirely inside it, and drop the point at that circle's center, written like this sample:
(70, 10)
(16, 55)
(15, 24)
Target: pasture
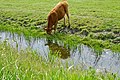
(96, 20)
(95, 23)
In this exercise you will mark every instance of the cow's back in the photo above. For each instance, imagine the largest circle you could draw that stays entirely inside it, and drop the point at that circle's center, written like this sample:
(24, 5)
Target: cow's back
(60, 9)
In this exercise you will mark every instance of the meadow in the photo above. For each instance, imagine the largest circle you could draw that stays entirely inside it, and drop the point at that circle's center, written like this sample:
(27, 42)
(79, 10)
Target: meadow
(95, 23)
(91, 21)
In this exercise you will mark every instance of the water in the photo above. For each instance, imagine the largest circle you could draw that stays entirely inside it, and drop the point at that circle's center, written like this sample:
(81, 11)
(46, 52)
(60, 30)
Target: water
(82, 54)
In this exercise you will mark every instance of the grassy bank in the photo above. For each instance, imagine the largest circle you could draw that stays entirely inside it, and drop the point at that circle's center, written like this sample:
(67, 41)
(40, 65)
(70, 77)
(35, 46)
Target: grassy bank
(27, 65)
(67, 39)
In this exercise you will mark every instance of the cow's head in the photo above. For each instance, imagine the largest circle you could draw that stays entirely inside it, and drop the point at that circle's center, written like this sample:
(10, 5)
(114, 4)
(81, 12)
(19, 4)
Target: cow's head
(48, 30)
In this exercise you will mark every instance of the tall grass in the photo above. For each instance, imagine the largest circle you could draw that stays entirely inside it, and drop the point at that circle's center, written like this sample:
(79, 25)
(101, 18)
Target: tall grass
(27, 65)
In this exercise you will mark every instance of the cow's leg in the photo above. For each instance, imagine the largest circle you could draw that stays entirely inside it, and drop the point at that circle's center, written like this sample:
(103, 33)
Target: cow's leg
(68, 20)
(67, 13)
(64, 22)
(55, 26)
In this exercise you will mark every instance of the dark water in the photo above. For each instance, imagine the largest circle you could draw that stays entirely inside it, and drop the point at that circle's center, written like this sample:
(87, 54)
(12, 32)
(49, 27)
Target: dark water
(82, 54)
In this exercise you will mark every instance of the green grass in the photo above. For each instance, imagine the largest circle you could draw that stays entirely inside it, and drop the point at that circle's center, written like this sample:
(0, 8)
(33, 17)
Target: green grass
(27, 65)
(92, 14)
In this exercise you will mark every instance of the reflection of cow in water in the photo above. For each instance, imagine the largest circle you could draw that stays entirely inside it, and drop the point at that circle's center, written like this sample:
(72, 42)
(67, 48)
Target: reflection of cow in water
(55, 48)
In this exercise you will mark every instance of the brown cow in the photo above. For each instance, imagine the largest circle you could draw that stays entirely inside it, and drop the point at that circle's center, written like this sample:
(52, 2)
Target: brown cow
(56, 14)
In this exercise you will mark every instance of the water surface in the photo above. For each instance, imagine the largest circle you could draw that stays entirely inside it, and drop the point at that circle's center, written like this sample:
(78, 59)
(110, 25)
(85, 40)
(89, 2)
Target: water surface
(82, 54)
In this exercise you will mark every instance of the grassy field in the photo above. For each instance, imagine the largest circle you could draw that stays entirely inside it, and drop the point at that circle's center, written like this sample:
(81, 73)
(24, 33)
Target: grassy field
(27, 65)
(95, 23)
(95, 16)
(98, 20)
